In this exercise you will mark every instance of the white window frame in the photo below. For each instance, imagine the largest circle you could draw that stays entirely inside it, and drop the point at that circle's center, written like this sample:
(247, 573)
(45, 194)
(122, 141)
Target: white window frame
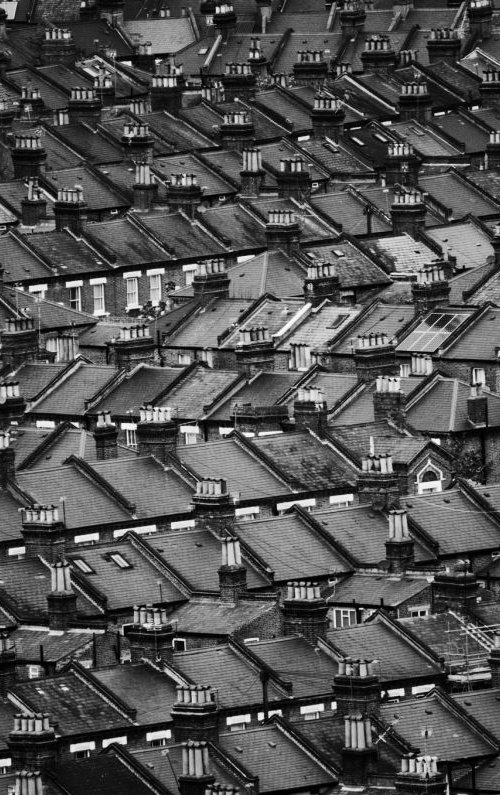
(38, 290)
(312, 711)
(419, 611)
(341, 500)
(118, 740)
(35, 671)
(247, 514)
(184, 358)
(478, 375)
(86, 538)
(271, 712)
(130, 429)
(158, 738)
(99, 299)
(238, 722)
(184, 524)
(308, 504)
(190, 433)
(16, 552)
(341, 617)
(132, 292)
(75, 302)
(189, 273)
(5, 765)
(49, 425)
(404, 370)
(155, 288)
(76, 748)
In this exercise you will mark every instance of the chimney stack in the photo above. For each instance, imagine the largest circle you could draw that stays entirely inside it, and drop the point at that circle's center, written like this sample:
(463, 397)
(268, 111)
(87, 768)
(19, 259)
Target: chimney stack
(454, 589)
(84, 106)
(238, 82)
(327, 117)
(255, 350)
(256, 57)
(196, 777)
(19, 342)
(283, 231)
(379, 55)
(389, 401)
(184, 193)
(420, 776)
(352, 17)
(111, 11)
(70, 209)
(137, 143)
(8, 660)
(213, 92)
(415, 102)
(294, 179)
(374, 354)
(310, 409)
(134, 346)
(58, 46)
(195, 715)
(232, 573)
(34, 205)
(211, 280)
(378, 484)
(43, 532)
(212, 504)
(62, 599)
(32, 744)
(408, 213)
(12, 404)
(145, 188)
(104, 86)
(359, 755)
(7, 459)
(443, 45)
(400, 547)
(480, 16)
(252, 174)
(28, 783)
(431, 290)
(305, 611)
(357, 687)
(421, 364)
(492, 156)
(402, 165)
(237, 130)
(477, 407)
(322, 283)
(106, 437)
(224, 20)
(310, 69)
(28, 155)
(7, 116)
(166, 91)
(150, 635)
(489, 89)
(156, 432)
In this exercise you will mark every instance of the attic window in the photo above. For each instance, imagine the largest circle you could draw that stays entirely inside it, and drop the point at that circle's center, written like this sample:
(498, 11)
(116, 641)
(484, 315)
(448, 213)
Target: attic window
(203, 51)
(359, 141)
(338, 252)
(83, 565)
(120, 561)
(380, 137)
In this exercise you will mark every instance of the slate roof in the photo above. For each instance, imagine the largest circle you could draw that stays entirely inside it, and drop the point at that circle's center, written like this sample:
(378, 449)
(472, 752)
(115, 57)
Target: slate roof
(265, 389)
(295, 660)
(68, 399)
(210, 182)
(181, 236)
(305, 460)
(321, 327)
(270, 272)
(443, 407)
(91, 145)
(34, 377)
(208, 322)
(461, 197)
(68, 254)
(354, 267)
(52, 315)
(446, 634)
(56, 647)
(197, 390)
(401, 253)
(379, 589)
(213, 617)
(98, 195)
(346, 210)
(384, 437)
(140, 386)
(167, 36)
(478, 341)
(142, 687)
(127, 242)
(390, 319)
(99, 774)
(75, 706)
(359, 409)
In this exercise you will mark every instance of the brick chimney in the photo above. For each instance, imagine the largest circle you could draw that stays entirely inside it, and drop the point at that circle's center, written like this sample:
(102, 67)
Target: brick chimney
(310, 409)
(480, 16)
(322, 282)
(489, 89)
(356, 687)
(408, 212)
(421, 364)
(184, 193)
(305, 612)
(327, 117)
(62, 599)
(257, 419)
(431, 289)
(150, 635)
(28, 783)
(400, 547)
(104, 86)
(166, 91)
(213, 92)
(379, 55)
(311, 68)
(359, 755)
(212, 504)
(402, 165)
(19, 342)
(477, 406)
(294, 179)
(389, 401)
(255, 350)
(58, 46)
(65, 346)
(420, 776)
(252, 174)
(211, 280)
(238, 82)
(374, 354)
(106, 437)
(7, 116)
(224, 20)
(443, 45)
(43, 532)
(156, 432)
(137, 143)
(133, 346)
(195, 715)
(342, 68)
(256, 57)
(492, 155)
(378, 484)
(12, 404)
(70, 209)
(494, 661)
(352, 17)
(7, 459)
(415, 102)
(8, 660)
(144, 57)
(34, 205)
(196, 776)
(32, 744)
(84, 106)
(31, 102)
(283, 231)
(232, 573)
(454, 589)
(237, 130)
(28, 156)
(111, 11)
